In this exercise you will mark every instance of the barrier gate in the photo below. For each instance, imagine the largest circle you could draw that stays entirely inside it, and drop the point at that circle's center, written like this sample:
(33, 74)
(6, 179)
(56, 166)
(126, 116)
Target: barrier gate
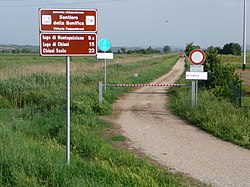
(101, 85)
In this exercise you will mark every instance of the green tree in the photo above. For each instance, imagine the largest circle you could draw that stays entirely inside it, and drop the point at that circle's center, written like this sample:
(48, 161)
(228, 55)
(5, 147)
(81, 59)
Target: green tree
(218, 49)
(26, 50)
(15, 51)
(167, 49)
(220, 75)
(190, 47)
(232, 48)
(149, 50)
(123, 50)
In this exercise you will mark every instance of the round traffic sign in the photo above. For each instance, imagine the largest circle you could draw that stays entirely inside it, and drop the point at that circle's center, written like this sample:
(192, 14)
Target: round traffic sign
(197, 57)
(104, 44)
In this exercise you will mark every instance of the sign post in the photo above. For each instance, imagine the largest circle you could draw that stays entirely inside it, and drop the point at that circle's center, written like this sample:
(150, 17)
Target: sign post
(244, 35)
(68, 110)
(68, 32)
(104, 45)
(196, 57)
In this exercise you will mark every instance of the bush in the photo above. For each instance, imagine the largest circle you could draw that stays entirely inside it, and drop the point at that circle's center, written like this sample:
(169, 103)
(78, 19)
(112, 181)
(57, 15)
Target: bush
(220, 75)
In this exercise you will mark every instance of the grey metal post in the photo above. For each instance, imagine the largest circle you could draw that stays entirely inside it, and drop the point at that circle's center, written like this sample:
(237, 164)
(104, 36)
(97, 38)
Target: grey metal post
(105, 74)
(196, 94)
(68, 110)
(193, 94)
(100, 92)
(244, 35)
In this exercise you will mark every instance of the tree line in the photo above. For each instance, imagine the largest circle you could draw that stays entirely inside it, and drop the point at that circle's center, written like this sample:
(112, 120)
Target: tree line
(17, 50)
(229, 48)
(149, 50)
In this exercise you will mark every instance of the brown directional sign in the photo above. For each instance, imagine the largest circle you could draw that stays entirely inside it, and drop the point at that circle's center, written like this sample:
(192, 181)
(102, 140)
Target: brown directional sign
(68, 20)
(68, 44)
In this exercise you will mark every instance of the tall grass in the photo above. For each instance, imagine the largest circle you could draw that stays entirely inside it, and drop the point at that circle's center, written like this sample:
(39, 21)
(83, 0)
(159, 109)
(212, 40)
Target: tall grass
(32, 136)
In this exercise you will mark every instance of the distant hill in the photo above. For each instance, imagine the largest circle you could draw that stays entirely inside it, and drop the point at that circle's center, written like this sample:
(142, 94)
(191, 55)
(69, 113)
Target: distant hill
(11, 47)
(6, 47)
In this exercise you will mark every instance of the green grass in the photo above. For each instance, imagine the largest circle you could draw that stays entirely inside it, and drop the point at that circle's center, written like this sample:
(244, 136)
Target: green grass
(246, 102)
(216, 116)
(235, 60)
(118, 138)
(32, 122)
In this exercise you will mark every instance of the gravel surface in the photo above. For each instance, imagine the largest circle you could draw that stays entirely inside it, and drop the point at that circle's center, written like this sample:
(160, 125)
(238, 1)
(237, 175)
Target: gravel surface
(150, 127)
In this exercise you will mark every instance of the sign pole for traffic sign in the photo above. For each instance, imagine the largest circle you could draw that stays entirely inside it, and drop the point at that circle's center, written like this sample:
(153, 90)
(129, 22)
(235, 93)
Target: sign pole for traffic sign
(100, 93)
(104, 45)
(68, 110)
(196, 94)
(105, 73)
(196, 57)
(68, 32)
(193, 94)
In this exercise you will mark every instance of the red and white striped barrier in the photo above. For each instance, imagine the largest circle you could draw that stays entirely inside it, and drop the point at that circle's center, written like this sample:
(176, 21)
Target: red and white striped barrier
(144, 85)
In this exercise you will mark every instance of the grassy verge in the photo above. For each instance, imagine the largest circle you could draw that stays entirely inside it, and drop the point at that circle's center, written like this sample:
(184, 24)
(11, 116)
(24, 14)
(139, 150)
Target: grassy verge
(215, 116)
(32, 122)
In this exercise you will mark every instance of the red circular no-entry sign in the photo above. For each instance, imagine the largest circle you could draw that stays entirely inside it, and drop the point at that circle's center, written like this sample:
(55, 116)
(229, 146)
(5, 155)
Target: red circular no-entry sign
(197, 57)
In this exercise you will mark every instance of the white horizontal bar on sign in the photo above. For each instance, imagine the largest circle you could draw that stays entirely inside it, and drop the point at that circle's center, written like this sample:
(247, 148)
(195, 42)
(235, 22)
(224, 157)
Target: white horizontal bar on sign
(196, 75)
(109, 56)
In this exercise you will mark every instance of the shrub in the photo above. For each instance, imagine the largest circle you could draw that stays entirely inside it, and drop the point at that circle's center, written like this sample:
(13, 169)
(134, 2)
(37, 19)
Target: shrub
(220, 75)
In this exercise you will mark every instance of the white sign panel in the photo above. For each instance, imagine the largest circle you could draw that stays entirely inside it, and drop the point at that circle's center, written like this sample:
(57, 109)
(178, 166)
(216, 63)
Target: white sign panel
(109, 56)
(196, 68)
(196, 75)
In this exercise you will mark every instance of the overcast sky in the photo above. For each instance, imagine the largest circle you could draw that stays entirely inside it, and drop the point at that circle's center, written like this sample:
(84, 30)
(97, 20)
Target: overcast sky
(136, 22)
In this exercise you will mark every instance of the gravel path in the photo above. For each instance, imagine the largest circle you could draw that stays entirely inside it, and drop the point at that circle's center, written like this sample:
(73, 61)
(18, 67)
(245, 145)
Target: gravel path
(145, 120)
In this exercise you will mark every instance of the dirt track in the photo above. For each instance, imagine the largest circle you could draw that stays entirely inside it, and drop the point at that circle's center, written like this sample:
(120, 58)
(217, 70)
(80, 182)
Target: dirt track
(150, 127)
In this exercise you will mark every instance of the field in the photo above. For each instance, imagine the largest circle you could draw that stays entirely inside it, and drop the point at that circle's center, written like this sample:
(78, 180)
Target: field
(32, 122)
(217, 116)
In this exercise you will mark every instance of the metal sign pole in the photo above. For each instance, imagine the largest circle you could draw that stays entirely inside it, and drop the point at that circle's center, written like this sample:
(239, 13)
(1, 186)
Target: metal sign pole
(105, 74)
(244, 35)
(104, 45)
(193, 93)
(68, 110)
(100, 92)
(196, 94)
